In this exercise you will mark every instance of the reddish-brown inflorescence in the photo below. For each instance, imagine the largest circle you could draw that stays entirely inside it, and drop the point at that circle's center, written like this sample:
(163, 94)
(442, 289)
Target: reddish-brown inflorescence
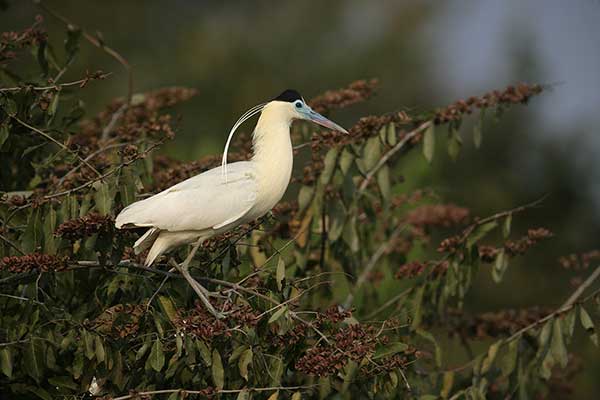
(511, 95)
(356, 92)
(579, 261)
(11, 42)
(200, 323)
(494, 324)
(438, 215)
(85, 226)
(519, 247)
(34, 262)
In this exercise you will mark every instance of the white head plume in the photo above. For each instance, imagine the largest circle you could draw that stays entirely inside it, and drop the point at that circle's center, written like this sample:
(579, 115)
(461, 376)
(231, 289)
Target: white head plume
(247, 115)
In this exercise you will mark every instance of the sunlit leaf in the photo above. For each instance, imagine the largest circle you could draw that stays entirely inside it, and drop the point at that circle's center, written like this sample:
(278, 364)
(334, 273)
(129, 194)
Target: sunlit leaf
(588, 325)
(429, 143)
(244, 362)
(218, 374)
(157, 356)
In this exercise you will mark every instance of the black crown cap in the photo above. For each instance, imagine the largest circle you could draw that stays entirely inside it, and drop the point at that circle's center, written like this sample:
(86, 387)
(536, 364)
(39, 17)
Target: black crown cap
(289, 95)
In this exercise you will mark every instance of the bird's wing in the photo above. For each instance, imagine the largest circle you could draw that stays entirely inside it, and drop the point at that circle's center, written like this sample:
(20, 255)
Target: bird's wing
(202, 202)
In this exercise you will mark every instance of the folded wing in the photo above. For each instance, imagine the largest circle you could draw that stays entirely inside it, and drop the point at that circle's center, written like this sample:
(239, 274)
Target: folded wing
(202, 202)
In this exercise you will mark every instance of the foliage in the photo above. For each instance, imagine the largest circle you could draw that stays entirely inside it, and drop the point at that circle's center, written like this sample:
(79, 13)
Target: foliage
(302, 288)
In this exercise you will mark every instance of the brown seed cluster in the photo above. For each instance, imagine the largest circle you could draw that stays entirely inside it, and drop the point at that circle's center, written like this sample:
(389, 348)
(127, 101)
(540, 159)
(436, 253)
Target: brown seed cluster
(85, 226)
(34, 262)
(198, 322)
(438, 215)
(579, 261)
(487, 254)
(416, 268)
(356, 92)
(450, 245)
(494, 324)
(119, 321)
(12, 42)
(519, 247)
(518, 94)
(353, 342)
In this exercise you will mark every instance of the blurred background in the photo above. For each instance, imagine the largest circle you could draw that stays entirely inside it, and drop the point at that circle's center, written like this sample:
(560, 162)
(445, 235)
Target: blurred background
(426, 54)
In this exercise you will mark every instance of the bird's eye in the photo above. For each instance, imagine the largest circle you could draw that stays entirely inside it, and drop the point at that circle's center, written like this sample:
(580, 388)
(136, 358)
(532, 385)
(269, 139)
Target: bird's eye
(298, 104)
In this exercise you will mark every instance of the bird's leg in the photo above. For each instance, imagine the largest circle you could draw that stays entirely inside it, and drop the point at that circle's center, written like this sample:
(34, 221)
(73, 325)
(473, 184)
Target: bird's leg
(202, 293)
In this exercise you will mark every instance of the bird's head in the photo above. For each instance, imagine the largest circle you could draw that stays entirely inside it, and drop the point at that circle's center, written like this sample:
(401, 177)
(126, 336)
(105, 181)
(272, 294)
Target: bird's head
(292, 106)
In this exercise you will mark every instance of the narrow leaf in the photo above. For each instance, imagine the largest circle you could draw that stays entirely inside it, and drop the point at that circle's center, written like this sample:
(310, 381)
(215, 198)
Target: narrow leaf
(244, 362)
(157, 356)
(588, 325)
(280, 273)
(429, 143)
(218, 374)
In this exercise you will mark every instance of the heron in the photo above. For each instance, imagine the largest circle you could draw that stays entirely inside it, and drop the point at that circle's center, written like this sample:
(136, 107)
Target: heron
(225, 197)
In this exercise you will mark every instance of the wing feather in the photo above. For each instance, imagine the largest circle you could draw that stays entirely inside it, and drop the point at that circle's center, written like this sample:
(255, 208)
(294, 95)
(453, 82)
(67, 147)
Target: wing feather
(201, 202)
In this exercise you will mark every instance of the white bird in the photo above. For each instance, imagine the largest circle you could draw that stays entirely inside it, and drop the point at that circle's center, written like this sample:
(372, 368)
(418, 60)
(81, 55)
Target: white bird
(225, 197)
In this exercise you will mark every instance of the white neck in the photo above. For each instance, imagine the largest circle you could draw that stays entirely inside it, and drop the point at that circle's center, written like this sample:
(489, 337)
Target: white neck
(273, 154)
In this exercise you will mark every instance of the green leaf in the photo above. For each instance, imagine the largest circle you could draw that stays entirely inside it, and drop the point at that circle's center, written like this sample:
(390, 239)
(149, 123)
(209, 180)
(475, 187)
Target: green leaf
(280, 273)
(244, 361)
(500, 266)
(32, 361)
(88, 340)
(277, 314)
(371, 153)
(337, 220)
(218, 374)
(509, 361)
(588, 325)
(157, 356)
(480, 232)
(390, 349)
(4, 132)
(429, 143)
(448, 382)
(491, 357)
(384, 182)
(454, 144)
(417, 307)
(103, 198)
(169, 309)
(438, 349)
(142, 350)
(559, 350)
(237, 352)
(100, 352)
(6, 363)
(305, 196)
(506, 226)
(329, 165)
(243, 395)
(276, 371)
(568, 321)
(204, 352)
(72, 42)
(392, 137)
(477, 136)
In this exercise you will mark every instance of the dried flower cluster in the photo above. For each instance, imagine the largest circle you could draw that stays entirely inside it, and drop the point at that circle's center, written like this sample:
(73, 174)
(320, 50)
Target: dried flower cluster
(438, 215)
(11, 42)
(119, 321)
(519, 247)
(416, 268)
(353, 342)
(34, 262)
(356, 92)
(494, 324)
(85, 226)
(579, 261)
(511, 95)
(200, 323)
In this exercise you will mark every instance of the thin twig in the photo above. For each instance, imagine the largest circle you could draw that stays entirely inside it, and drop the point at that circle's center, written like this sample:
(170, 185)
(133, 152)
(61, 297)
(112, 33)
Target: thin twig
(384, 159)
(59, 144)
(371, 264)
(223, 391)
(56, 87)
(571, 302)
(11, 244)
(96, 42)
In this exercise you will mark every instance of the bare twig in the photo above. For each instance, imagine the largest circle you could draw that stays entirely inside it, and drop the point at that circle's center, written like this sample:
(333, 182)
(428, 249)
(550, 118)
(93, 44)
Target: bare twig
(385, 158)
(223, 391)
(59, 144)
(56, 87)
(371, 264)
(98, 43)
(11, 244)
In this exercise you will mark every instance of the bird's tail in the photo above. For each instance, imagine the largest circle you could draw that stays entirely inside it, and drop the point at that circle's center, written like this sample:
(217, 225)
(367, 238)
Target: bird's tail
(160, 245)
(146, 240)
